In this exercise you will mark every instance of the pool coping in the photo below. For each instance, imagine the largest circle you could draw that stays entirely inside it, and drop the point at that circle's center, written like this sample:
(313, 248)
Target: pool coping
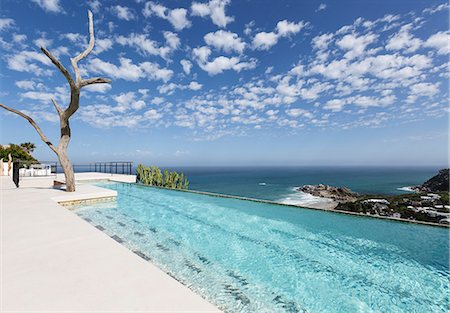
(219, 195)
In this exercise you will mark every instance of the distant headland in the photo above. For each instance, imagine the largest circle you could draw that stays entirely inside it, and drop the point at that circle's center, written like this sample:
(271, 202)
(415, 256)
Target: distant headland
(428, 203)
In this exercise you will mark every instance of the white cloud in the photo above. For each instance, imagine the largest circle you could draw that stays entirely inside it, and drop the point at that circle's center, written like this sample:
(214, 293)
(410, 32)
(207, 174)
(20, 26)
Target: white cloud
(321, 42)
(129, 71)
(123, 13)
(52, 6)
(172, 40)
(201, 54)
(321, 7)
(437, 8)
(6, 23)
(424, 89)
(19, 38)
(214, 9)
(355, 45)
(285, 28)
(94, 5)
(147, 46)
(439, 41)
(248, 28)
(126, 70)
(157, 100)
(335, 105)
(187, 66)
(26, 84)
(222, 63)
(127, 101)
(225, 41)
(75, 38)
(24, 62)
(171, 87)
(43, 42)
(195, 86)
(265, 40)
(299, 112)
(154, 72)
(101, 88)
(403, 40)
(177, 17)
(61, 93)
(102, 44)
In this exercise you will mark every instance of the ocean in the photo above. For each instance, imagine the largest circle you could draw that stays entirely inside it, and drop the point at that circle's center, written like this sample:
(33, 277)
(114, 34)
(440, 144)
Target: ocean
(279, 183)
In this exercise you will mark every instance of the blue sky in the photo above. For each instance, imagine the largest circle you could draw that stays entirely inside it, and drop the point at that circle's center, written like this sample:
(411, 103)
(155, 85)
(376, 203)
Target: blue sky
(235, 82)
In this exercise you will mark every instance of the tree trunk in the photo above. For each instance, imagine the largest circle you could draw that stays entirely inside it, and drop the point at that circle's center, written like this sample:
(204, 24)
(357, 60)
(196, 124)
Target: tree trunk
(64, 115)
(68, 170)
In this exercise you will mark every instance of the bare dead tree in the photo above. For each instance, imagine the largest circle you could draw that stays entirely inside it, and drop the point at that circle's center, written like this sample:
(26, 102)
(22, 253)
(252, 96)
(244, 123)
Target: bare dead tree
(65, 114)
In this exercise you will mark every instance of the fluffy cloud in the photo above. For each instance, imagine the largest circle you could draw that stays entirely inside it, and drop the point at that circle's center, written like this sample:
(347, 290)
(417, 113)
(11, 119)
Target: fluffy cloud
(220, 64)
(355, 45)
(187, 65)
(195, 86)
(439, 41)
(127, 70)
(123, 13)
(171, 87)
(225, 41)
(100, 88)
(321, 42)
(299, 112)
(403, 40)
(147, 46)
(102, 44)
(6, 23)
(285, 28)
(176, 17)
(265, 40)
(215, 9)
(43, 42)
(19, 38)
(25, 61)
(94, 5)
(52, 6)
(26, 84)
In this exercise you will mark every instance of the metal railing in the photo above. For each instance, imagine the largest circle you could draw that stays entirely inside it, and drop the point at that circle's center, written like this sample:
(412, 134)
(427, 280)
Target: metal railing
(52, 168)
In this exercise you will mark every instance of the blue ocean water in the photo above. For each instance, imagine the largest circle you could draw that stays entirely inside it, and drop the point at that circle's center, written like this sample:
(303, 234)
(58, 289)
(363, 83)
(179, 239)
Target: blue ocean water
(245, 256)
(279, 183)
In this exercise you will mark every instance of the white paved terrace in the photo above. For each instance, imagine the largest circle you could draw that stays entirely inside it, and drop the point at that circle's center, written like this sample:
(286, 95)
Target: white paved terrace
(53, 261)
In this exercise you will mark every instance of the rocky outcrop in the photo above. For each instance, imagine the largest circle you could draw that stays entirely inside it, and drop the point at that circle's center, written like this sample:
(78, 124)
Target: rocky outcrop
(339, 194)
(437, 183)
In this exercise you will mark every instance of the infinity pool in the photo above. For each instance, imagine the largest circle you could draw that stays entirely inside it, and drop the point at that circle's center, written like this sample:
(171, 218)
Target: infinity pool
(245, 256)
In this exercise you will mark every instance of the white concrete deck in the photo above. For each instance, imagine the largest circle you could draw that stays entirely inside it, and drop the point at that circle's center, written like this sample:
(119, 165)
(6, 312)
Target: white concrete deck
(52, 260)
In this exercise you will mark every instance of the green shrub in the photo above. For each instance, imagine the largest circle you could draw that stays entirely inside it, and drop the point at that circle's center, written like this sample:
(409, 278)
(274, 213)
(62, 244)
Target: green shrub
(152, 176)
(17, 153)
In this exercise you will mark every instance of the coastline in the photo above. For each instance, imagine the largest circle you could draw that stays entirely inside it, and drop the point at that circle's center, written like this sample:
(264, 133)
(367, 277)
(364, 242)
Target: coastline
(300, 198)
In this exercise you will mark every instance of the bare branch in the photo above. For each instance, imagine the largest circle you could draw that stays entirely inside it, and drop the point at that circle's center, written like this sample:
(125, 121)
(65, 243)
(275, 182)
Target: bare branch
(59, 66)
(85, 53)
(95, 80)
(33, 123)
(57, 107)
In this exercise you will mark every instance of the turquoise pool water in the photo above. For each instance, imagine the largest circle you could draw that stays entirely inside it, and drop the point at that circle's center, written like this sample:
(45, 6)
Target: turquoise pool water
(253, 257)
